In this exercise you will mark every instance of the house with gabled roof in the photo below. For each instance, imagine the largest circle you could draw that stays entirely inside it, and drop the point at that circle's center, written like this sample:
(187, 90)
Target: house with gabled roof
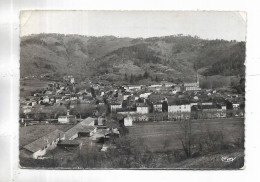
(48, 142)
(85, 126)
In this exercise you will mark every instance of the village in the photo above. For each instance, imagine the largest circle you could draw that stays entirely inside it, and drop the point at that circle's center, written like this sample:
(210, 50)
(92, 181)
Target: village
(85, 117)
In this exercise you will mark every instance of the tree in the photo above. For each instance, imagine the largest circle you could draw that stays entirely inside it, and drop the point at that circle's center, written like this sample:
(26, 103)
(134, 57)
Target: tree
(132, 79)
(166, 144)
(156, 79)
(92, 90)
(102, 109)
(146, 75)
(139, 77)
(125, 77)
(164, 106)
(229, 105)
(186, 136)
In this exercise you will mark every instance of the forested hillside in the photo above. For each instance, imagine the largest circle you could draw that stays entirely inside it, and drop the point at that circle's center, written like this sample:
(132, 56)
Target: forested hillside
(111, 58)
(230, 65)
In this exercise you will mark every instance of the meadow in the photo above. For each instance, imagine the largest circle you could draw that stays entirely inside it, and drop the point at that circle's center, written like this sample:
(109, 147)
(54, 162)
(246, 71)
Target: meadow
(29, 85)
(161, 136)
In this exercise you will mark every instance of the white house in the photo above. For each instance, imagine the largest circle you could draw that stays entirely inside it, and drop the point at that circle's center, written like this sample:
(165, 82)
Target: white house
(179, 109)
(153, 86)
(145, 95)
(101, 121)
(167, 84)
(34, 103)
(125, 96)
(46, 99)
(157, 107)
(193, 104)
(141, 108)
(73, 97)
(174, 91)
(134, 87)
(115, 106)
(58, 99)
(196, 98)
(235, 106)
(128, 121)
(66, 119)
(207, 103)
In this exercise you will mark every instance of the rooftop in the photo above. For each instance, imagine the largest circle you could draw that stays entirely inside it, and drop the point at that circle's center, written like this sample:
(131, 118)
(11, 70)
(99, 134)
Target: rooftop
(87, 121)
(83, 125)
(43, 141)
(141, 104)
(178, 102)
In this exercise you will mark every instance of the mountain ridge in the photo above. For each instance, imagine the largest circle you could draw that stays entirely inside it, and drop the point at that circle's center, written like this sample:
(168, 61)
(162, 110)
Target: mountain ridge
(165, 57)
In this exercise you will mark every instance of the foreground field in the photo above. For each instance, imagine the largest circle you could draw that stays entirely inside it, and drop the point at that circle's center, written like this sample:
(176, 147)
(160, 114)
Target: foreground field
(162, 136)
(212, 161)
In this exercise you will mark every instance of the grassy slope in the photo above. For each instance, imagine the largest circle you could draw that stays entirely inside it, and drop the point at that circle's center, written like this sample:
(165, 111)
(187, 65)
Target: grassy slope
(212, 161)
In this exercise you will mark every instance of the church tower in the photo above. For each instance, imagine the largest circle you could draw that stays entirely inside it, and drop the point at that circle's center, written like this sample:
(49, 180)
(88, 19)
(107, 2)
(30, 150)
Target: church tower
(197, 79)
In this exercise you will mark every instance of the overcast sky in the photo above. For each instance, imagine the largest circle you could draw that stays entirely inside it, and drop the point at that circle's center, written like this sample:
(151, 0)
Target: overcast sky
(207, 25)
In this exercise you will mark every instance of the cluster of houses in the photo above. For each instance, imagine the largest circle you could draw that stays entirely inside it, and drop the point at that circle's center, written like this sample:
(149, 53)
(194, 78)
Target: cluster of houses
(133, 103)
(57, 94)
(168, 101)
(139, 102)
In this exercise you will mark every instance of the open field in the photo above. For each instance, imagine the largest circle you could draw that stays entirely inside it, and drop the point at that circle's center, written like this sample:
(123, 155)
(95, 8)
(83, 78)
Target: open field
(30, 133)
(165, 135)
(33, 84)
(26, 86)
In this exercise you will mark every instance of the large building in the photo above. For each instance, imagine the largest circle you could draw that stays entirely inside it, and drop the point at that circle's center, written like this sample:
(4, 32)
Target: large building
(85, 127)
(208, 111)
(193, 85)
(142, 108)
(49, 142)
(115, 106)
(179, 109)
(46, 143)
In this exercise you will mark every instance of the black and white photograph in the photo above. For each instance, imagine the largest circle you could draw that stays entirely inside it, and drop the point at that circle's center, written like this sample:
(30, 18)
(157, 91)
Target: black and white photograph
(132, 89)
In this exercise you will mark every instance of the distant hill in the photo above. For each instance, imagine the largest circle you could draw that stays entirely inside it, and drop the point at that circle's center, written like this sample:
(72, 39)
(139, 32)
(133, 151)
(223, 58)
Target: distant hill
(111, 58)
